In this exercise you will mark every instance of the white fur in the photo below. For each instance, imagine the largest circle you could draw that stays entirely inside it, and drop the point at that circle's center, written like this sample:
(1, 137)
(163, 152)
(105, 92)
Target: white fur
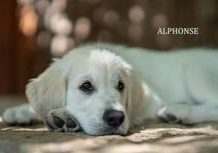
(22, 114)
(181, 83)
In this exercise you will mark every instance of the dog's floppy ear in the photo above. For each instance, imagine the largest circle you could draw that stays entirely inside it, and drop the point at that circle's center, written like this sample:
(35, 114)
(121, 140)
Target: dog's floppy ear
(134, 98)
(47, 92)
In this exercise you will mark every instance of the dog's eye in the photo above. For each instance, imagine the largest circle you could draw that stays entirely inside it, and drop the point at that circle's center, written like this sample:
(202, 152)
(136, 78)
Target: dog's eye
(120, 86)
(87, 87)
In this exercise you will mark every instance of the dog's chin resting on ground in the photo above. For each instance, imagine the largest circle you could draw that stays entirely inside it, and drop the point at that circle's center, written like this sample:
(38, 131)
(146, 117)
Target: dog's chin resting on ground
(106, 89)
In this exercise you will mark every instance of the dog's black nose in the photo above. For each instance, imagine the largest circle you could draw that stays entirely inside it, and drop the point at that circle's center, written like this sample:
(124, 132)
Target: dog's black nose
(113, 117)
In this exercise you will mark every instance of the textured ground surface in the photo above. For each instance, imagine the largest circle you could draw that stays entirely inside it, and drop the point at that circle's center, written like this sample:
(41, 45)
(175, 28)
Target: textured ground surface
(152, 138)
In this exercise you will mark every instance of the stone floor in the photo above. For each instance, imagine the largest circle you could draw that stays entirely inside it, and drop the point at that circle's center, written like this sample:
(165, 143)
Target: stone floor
(152, 138)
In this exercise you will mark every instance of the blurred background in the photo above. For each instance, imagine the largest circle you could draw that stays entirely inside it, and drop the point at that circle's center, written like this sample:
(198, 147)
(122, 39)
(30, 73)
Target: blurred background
(34, 31)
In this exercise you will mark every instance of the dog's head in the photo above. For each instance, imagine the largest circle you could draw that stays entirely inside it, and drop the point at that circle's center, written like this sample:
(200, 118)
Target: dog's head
(94, 86)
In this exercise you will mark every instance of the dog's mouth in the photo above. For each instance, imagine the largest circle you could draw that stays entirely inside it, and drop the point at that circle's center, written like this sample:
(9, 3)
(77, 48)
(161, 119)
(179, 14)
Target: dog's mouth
(100, 129)
(103, 129)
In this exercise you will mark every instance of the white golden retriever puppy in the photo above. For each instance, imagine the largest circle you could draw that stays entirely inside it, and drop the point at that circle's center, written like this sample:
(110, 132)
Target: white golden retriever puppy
(106, 89)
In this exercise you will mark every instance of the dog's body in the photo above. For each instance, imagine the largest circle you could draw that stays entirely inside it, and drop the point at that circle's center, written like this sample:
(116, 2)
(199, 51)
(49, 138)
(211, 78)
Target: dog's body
(107, 94)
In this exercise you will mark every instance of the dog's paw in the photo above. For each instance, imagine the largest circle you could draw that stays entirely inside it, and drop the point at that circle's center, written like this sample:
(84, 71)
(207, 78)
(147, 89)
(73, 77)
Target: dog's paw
(179, 114)
(59, 120)
(20, 115)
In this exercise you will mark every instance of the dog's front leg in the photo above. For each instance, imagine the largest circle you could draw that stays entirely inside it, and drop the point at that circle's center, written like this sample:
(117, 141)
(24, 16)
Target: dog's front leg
(20, 115)
(188, 114)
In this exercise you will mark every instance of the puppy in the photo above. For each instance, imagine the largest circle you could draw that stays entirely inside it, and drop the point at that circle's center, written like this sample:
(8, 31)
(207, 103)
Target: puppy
(107, 89)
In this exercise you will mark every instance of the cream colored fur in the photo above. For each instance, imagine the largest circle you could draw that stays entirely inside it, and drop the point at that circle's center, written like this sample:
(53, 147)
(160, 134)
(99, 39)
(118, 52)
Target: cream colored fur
(179, 86)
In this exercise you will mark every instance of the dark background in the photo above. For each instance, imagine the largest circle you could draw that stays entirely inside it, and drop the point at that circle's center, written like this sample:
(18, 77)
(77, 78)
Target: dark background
(33, 31)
